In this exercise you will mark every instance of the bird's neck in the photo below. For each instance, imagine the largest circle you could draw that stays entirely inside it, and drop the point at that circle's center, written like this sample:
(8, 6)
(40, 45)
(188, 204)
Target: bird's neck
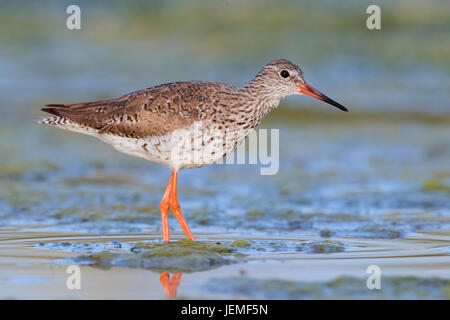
(263, 94)
(261, 100)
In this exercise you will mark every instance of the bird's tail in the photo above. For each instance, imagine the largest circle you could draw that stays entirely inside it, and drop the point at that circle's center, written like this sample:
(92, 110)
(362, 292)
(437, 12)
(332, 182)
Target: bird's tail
(58, 119)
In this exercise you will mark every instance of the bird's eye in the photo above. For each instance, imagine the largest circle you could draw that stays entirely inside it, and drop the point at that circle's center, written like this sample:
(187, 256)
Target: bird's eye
(284, 74)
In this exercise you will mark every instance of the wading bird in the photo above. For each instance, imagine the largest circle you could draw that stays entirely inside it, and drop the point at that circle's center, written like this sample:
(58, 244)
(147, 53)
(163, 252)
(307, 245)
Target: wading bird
(170, 123)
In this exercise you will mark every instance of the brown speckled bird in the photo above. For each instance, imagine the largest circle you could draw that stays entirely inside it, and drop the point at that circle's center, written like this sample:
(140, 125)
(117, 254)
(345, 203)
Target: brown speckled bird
(184, 124)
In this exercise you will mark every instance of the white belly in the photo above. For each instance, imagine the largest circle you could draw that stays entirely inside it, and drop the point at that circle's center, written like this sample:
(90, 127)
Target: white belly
(190, 147)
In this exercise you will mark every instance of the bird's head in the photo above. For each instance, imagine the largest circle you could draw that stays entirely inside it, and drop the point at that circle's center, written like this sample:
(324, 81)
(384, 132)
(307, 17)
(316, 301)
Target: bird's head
(286, 78)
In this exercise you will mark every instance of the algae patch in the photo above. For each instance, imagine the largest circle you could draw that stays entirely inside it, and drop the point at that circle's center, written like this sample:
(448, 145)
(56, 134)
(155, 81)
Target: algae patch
(64, 212)
(325, 246)
(184, 244)
(435, 185)
(9, 170)
(103, 179)
(379, 232)
(179, 256)
(241, 243)
(254, 214)
(147, 209)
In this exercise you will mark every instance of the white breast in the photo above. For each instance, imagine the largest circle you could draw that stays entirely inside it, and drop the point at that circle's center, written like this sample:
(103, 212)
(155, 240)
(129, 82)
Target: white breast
(190, 147)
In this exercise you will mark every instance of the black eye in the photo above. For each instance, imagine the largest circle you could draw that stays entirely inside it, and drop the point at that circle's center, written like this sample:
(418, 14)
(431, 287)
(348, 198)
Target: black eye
(284, 74)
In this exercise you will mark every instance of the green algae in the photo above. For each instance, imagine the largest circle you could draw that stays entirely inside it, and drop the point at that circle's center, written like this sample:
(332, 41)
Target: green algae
(102, 179)
(147, 209)
(240, 255)
(169, 252)
(17, 169)
(120, 207)
(181, 245)
(254, 214)
(241, 243)
(380, 232)
(92, 214)
(179, 256)
(131, 217)
(435, 185)
(65, 212)
(325, 246)
(101, 257)
(286, 214)
(17, 194)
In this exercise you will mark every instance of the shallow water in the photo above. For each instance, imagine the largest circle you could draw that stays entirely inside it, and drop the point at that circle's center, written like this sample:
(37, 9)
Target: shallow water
(368, 187)
(339, 204)
(33, 263)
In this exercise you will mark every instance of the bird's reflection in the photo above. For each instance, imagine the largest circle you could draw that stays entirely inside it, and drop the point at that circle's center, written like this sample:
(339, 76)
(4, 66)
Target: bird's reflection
(170, 286)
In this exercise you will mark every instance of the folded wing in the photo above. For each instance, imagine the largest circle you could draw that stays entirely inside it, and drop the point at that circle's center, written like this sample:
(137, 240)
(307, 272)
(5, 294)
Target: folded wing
(149, 112)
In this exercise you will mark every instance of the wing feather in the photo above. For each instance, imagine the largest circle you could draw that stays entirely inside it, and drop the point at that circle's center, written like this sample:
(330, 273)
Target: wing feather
(148, 112)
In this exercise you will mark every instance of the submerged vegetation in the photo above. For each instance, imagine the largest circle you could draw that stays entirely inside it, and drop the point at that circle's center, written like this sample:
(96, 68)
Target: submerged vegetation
(179, 256)
(241, 243)
(435, 185)
(325, 246)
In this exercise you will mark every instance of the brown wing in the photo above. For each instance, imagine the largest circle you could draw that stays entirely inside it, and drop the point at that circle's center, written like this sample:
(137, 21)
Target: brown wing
(148, 112)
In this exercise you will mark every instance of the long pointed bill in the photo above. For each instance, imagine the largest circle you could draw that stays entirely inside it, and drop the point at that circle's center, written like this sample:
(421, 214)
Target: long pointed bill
(307, 89)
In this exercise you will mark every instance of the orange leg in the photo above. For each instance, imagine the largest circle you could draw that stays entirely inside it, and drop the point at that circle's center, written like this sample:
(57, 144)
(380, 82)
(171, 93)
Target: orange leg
(170, 200)
(175, 206)
(164, 206)
(170, 286)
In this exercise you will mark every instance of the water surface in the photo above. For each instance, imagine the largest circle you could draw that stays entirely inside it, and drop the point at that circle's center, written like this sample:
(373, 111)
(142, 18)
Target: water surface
(368, 187)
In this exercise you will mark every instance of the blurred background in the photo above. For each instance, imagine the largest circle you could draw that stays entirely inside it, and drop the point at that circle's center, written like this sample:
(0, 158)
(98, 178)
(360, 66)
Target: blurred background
(381, 171)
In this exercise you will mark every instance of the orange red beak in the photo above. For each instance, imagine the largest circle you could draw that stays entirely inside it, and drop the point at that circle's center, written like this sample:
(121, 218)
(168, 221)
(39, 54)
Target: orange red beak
(307, 89)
